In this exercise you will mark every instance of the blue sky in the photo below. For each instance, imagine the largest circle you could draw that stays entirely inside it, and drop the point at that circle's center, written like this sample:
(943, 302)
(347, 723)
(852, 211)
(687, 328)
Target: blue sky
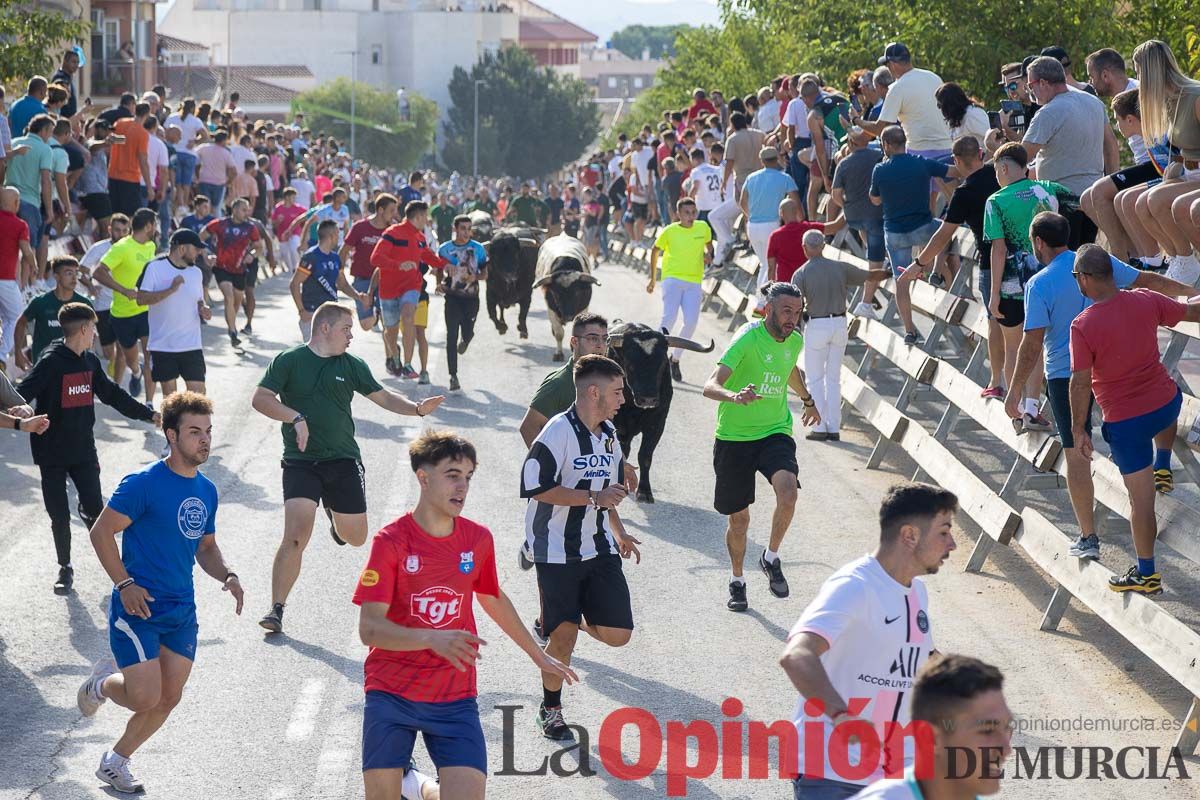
(605, 17)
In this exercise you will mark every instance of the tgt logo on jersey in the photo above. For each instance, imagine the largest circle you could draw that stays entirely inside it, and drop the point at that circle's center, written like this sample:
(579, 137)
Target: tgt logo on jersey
(466, 562)
(597, 465)
(193, 517)
(437, 606)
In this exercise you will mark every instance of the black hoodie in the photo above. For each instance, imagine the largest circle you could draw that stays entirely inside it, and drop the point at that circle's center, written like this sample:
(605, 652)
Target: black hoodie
(64, 386)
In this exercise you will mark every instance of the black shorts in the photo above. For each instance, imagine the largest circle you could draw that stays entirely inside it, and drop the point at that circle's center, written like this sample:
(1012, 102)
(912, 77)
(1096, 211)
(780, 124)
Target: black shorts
(188, 365)
(1059, 393)
(736, 462)
(339, 484)
(1135, 175)
(251, 273)
(129, 330)
(594, 590)
(639, 210)
(1012, 312)
(97, 205)
(104, 328)
(238, 279)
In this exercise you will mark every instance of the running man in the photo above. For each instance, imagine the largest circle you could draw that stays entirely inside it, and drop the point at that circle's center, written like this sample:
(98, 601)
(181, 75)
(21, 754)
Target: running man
(961, 699)
(754, 430)
(309, 389)
(417, 615)
(869, 616)
(119, 270)
(399, 281)
(576, 464)
(64, 385)
(687, 249)
(357, 248)
(238, 243)
(166, 514)
(102, 296)
(319, 276)
(467, 267)
(172, 287)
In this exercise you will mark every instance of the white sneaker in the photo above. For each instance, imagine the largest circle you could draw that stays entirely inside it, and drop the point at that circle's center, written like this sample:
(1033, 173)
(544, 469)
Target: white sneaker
(114, 771)
(414, 783)
(88, 697)
(865, 310)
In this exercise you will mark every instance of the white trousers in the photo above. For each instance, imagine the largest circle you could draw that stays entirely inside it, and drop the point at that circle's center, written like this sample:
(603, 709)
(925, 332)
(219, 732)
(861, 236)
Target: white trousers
(289, 252)
(824, 347)
(682, 296)
(760, 233)
(12, 305)
(721, 220)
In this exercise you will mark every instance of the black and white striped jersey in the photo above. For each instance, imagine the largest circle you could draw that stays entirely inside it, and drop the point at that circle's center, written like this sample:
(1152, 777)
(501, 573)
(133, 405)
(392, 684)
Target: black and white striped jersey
(567, 454)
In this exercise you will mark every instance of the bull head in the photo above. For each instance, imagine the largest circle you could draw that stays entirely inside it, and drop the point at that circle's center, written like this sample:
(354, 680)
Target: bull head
(618, 339)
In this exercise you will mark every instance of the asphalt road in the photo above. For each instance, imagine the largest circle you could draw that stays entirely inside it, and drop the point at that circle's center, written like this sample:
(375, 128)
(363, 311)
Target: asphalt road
(279, 718)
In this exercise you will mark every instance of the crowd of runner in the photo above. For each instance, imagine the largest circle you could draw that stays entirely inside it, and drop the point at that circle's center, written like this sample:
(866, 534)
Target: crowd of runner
(115, 224)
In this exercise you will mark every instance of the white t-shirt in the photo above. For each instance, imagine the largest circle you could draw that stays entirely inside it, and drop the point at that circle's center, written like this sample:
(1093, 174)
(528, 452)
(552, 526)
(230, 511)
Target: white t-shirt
(241, 155)
(767, 118)
(797, 116)
(641, 164)
(910, 102)
(974, 123)
(879, 636)
(191, 128)
(158, 156)
(91, 260)
(614, 167)
(707, 180)
(304, 192)
(1137, 145)
(175, 321)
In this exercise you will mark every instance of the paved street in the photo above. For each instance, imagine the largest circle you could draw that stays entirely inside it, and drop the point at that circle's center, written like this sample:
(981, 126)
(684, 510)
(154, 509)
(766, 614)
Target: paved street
(279, 718)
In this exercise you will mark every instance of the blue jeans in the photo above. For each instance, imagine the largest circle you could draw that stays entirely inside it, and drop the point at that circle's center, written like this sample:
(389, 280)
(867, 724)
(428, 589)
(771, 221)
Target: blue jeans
(185, 167)
(32, 215)
(900, 245)
(872, 233)
(214, 192)
(823, 789)
(799, 173)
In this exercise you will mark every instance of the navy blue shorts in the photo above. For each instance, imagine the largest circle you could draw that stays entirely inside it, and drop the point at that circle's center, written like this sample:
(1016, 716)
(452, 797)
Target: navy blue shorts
(134, 640)
(1132, 440)
(453, 735)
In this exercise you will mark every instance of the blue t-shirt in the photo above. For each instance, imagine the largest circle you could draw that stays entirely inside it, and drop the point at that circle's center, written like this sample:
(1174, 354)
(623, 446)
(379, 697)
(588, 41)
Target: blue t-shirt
(326, 211)
(407, 195)
(465, 260)
(170, 514)
(22, 112)
(902, 182)
(768, 187)
(196, 224)
(321, 270)
(1053, 300)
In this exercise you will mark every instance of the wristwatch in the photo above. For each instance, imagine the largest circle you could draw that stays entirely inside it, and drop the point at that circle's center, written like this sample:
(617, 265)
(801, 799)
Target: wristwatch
(296, 420)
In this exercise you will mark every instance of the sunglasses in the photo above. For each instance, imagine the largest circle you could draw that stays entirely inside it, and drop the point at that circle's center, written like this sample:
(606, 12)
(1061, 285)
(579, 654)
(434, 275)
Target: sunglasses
(1011, 86)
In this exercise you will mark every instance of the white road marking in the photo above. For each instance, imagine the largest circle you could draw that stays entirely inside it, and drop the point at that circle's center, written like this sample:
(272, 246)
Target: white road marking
(304, 715)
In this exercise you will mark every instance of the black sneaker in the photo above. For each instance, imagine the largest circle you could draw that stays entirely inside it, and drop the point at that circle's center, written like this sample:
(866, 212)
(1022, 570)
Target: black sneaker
(774, 573)
(66, 579)
(1135, 581)
(246, 329)
(538, 633)
(737, 597)
(332, 529)
(273, 621)
(462, 345)
(912, 338)
(550, 720)
(454, 384)
(524, 558)
(233, 339)
(675, 373)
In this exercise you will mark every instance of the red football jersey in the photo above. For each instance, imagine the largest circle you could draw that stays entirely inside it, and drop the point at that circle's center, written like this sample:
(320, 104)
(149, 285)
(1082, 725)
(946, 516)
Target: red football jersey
(428, 583)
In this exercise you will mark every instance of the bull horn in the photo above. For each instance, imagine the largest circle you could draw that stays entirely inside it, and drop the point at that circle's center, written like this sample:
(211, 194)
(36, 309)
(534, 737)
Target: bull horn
(542, 281)
(588, 278)
(689, 344)
(616, 340)
(528, 242)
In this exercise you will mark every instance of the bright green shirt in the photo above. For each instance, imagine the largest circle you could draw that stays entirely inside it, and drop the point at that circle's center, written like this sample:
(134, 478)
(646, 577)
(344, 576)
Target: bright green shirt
(756, 357)
(126, 260)
(321, 388)
(683, 250)
(1007, 216)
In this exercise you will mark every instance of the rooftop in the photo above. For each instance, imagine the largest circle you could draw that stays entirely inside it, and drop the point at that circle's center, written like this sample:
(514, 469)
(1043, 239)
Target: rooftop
(553, 30)
(206, 82)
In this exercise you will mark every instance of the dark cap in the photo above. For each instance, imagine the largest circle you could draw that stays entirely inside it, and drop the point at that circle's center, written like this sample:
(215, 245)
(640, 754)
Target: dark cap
(895, 51)
(1025, 62)
(184, 236)
(1057, 53)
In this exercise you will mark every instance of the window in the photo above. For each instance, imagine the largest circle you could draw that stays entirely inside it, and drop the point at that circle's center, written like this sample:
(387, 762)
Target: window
(376, 54)
(144, 32)
(612, 81)
(638, 82)
(112, 37)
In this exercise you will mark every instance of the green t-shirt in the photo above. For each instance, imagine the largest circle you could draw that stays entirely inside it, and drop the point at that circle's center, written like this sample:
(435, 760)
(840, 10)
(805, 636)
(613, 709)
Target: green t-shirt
(42, 314)
(488, 206)
(321, 388)
(528, 210)
(756, 357)
(126, 260)
(557, 391)
(1007, 216)
(25, 171)
(683, 250)
(443, 221)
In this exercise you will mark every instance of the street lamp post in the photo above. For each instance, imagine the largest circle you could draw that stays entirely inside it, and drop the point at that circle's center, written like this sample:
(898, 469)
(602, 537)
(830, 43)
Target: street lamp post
(475, 138)
(353, 95)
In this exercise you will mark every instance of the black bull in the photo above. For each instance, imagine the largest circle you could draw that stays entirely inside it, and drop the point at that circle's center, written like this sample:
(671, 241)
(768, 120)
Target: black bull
(643, 353)
(512, 262)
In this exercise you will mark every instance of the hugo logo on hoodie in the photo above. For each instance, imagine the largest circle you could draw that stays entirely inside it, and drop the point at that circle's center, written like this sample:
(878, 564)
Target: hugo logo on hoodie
(77, 389)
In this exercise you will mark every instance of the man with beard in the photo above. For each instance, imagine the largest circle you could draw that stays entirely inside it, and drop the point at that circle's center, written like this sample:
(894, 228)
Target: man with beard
(754, 430)
(167, 514)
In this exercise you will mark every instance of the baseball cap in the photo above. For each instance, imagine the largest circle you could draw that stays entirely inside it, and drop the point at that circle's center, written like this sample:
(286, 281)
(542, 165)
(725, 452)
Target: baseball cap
(895, 51)
(1057, 53)
(1025, 62)
(768, 153)
(183, 236)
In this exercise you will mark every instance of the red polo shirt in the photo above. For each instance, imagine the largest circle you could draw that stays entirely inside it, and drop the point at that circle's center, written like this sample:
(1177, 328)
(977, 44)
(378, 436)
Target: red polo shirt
(787, 248)
(13, 231)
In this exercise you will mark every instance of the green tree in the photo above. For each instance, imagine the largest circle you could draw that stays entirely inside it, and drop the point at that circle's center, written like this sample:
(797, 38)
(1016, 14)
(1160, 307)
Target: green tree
(34, 39)
(382, 137)
(633, 40)
(532, 120)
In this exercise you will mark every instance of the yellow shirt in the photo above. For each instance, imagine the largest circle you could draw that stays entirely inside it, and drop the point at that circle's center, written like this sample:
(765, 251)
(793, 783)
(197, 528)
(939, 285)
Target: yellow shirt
(125, 260)
(683, 250)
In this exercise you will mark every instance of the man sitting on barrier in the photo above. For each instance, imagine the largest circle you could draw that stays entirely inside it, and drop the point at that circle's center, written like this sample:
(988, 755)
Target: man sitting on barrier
(1114, 354)
(1052, 302)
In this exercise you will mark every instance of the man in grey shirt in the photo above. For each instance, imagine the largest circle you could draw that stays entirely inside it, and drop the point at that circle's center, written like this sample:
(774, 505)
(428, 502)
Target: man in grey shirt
(851, 192)
(1070, 137)
(824, 284)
